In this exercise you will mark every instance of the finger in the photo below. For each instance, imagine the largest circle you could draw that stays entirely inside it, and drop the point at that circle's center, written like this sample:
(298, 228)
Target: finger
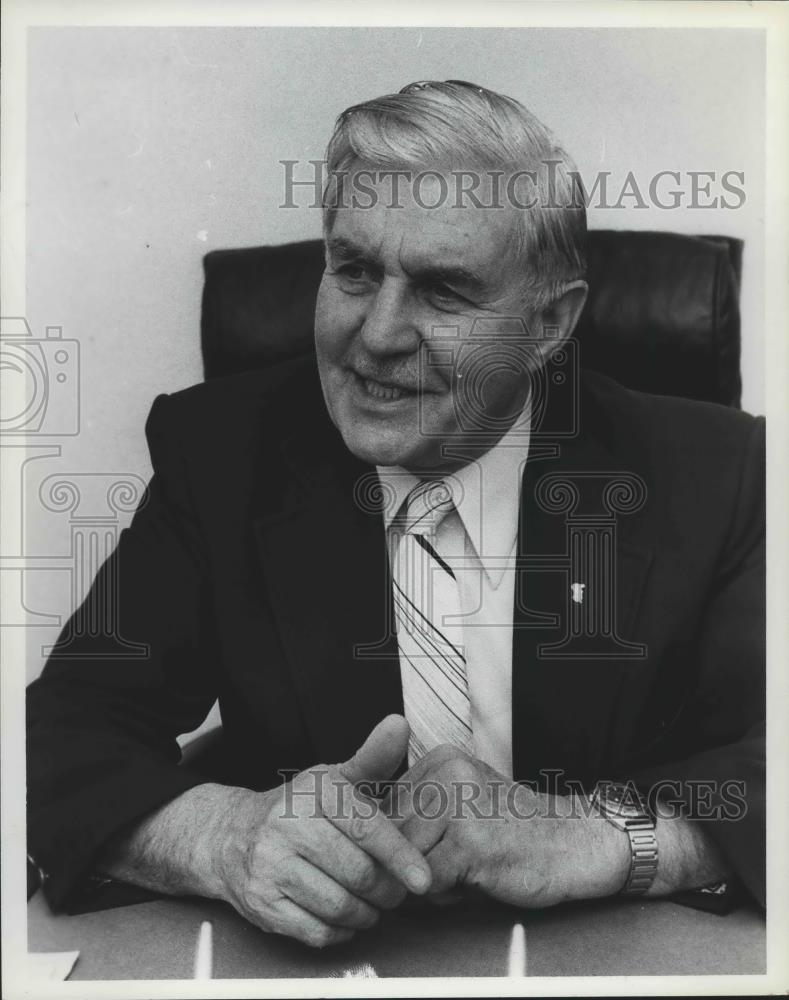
(446, 867)
(363, 823)
(388, 893)
(381, 753)
(447, 783)
(426, 817)
(312, 889)
(433, 759)
(294, 921)
(345, 862)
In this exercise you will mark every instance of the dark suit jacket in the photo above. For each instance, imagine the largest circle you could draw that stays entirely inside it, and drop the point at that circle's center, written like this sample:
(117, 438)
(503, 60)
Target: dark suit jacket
(253, 576)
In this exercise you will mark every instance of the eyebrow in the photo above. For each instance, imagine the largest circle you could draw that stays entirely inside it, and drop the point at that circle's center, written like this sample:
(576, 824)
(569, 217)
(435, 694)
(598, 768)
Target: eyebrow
(337, 246)
(441, 274)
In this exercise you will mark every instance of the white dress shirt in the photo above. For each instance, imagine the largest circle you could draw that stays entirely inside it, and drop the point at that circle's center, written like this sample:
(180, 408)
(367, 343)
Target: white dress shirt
(478, 540)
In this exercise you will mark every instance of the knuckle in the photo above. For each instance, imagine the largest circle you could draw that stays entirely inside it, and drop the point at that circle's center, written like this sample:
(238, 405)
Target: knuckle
(339, 907)
(364, 877)
(285, 876)
(254, 856)
(360, 828)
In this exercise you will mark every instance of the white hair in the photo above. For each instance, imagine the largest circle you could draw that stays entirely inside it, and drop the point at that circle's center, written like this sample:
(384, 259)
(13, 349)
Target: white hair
(454, 126)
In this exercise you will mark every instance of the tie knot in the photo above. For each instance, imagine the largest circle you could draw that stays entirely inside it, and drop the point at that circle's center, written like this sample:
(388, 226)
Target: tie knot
(427, 505)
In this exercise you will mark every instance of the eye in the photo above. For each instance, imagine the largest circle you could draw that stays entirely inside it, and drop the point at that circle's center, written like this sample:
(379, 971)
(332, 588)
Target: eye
(444, 296)
(354, 277)
(354, 272)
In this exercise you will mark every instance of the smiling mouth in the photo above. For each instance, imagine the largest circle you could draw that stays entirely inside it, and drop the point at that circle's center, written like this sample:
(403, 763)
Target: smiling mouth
(382, 391)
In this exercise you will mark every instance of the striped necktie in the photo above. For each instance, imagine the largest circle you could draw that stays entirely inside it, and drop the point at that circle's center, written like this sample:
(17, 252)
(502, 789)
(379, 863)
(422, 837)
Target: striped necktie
(425, 591)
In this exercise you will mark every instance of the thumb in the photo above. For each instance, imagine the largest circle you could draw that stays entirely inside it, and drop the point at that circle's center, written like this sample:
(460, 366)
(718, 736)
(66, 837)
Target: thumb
(378, 757)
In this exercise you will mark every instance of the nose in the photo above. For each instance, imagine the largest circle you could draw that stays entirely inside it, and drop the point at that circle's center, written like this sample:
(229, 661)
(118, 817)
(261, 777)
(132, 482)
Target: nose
(388, 327)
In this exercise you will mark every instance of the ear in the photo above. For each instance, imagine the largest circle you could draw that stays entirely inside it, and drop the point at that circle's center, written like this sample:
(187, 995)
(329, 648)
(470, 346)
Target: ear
(562, 315)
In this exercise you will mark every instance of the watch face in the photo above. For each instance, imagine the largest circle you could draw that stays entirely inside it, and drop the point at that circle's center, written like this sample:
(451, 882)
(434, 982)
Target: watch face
(620, 800)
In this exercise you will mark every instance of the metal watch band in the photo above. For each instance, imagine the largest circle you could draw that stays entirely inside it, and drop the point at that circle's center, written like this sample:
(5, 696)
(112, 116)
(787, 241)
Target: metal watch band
(643, 857)
(641, 831)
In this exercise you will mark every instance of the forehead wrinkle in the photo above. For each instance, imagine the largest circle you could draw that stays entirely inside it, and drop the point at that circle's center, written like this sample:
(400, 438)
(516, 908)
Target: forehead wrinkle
(366, 243)
(477, 242)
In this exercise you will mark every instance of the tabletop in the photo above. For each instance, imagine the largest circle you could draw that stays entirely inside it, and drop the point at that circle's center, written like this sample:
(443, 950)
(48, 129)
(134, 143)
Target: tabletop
(156, 940)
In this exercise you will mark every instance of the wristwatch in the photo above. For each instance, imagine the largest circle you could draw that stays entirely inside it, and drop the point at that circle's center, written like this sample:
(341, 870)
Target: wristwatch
(628, 810)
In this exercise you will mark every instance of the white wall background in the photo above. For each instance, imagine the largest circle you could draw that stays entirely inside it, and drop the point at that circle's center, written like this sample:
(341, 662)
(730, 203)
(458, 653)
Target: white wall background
(147, 147)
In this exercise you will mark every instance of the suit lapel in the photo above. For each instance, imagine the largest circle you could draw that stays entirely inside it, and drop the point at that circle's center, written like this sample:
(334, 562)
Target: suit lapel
(565, 692)
(322, 551)
(324, 559)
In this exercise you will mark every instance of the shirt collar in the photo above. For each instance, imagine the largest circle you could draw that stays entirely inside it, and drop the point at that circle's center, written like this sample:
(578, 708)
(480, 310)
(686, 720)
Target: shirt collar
(489, 490)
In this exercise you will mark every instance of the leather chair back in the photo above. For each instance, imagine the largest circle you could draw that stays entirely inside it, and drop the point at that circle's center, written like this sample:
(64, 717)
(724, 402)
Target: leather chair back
(662, 316)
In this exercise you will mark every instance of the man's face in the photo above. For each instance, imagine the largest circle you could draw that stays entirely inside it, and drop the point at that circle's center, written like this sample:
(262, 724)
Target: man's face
(398, 280)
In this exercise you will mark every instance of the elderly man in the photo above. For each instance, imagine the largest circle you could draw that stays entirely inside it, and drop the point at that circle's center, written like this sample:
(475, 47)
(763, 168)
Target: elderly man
(357, 559)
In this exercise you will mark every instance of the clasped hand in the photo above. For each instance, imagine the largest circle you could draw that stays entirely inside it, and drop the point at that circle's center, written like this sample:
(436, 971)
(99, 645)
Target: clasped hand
(317, 859)
(482, 832)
